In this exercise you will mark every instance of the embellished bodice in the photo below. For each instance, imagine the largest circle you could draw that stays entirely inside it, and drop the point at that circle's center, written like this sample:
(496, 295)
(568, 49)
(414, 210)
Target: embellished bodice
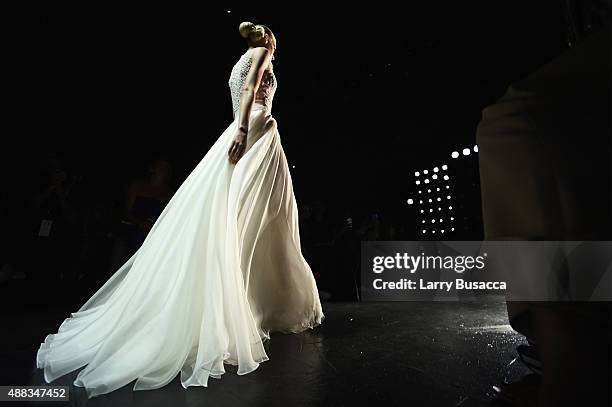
(237, 79)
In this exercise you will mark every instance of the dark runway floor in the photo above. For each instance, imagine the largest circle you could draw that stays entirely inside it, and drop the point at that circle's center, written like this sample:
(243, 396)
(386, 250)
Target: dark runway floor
(365, 354)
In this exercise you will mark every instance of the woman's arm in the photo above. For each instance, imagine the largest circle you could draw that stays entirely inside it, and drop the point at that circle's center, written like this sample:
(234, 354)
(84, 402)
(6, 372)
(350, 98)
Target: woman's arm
(261, 60)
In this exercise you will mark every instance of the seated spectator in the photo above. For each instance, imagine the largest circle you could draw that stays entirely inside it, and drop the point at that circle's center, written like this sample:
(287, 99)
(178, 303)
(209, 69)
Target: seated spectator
(144, 202)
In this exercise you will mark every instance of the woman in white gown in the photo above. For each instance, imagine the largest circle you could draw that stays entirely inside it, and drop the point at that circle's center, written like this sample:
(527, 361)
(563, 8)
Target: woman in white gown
(220, 268)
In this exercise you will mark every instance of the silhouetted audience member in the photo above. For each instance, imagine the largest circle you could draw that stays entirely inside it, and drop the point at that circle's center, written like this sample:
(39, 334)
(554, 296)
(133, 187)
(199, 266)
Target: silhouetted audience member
(54, 224)
(144, 202)
(545, 159)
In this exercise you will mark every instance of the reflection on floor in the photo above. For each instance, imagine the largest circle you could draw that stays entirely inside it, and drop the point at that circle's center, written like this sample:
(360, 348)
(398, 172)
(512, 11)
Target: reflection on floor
(386, 354)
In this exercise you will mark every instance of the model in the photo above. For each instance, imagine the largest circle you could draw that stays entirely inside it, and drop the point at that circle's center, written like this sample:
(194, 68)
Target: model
(219, 270)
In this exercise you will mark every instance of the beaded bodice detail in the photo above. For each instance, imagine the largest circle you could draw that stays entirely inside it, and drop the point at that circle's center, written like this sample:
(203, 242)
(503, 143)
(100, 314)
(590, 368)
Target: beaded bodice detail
(237, 79)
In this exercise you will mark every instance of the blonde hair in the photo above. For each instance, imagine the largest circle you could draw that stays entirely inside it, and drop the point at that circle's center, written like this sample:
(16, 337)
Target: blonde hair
(252, 32)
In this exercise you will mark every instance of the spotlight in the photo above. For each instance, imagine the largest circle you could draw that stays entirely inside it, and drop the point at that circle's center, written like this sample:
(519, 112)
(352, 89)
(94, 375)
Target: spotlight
(448, 197)
(434, 176)
(421, 201)
(410, 202)
(442, 231)
(438, 189)
(439, 199)
(433, 221)
(426, 180)
(418, 182)
(447, 187)
(445, 167)
(425, 172)
(454, 154)
(422, 211)
(429, 199)
(424, 231)
(452, 229)
(441, 220)
(420, 192)
(466, 151)
(416, 174)
(439, 208)
(436, 169)
(476, 148)
(446, 177)
(430, 210)
(450, 208)
(452, 218)
(429, 190)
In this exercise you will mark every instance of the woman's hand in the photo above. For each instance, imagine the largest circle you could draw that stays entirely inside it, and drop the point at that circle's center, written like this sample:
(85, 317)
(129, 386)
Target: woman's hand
(238, 145)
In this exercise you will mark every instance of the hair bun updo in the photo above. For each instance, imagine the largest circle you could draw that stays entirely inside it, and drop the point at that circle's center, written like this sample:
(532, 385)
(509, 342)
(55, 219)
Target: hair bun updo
(251, 31)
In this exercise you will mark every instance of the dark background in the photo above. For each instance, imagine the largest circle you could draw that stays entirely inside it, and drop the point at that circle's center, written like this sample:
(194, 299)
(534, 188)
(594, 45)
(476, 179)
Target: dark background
(368, 92)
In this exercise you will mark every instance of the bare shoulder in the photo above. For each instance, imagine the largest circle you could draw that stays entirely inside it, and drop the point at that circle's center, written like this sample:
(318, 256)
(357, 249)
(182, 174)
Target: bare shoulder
(260, 51)
(260, 54)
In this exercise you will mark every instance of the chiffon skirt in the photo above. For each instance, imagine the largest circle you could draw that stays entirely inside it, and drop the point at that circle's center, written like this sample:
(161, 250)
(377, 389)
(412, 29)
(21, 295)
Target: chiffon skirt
(219, 270)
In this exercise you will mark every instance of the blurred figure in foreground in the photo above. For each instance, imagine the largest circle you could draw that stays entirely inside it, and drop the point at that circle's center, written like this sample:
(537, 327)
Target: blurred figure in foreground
(545, 161)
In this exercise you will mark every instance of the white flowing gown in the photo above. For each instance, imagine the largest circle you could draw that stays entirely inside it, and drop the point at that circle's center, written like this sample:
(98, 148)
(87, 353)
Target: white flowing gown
(220, 268)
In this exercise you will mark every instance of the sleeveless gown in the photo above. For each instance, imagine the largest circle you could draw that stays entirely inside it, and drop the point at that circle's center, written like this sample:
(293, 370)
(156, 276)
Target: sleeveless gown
(219, 270)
